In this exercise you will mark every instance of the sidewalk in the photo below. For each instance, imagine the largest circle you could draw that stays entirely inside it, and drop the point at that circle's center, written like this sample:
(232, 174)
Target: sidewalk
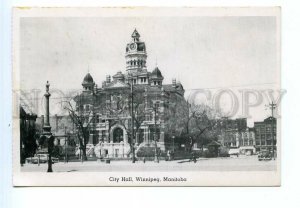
(203, 164)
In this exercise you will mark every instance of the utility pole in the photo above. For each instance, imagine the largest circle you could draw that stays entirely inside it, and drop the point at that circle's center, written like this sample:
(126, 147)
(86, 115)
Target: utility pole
(155, 135)
(132, 122)
(66, 145)
(272, 106)
(225, 132)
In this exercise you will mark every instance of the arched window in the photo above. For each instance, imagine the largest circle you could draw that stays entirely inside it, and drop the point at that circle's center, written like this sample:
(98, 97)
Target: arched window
(118, 135)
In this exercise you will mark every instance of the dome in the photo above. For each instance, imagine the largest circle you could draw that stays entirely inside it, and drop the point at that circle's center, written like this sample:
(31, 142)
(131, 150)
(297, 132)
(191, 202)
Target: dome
(88, 79)
(156, 73)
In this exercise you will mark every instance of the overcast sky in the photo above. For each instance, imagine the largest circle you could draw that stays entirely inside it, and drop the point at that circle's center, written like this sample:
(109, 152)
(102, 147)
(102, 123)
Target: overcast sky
(201, 52)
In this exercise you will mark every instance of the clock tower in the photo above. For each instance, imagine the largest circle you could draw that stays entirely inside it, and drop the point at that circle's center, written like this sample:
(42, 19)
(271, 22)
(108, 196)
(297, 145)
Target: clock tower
(136, 54)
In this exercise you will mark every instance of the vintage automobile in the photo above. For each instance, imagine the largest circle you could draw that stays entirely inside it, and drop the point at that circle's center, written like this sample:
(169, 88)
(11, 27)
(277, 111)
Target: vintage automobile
(42, 157)
(89, 151)
(234, 152)
(264, 155)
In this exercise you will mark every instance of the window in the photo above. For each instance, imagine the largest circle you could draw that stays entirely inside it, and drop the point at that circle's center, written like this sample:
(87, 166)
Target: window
(97, 118)
(103, 138)
(156, 105)
(143, 79)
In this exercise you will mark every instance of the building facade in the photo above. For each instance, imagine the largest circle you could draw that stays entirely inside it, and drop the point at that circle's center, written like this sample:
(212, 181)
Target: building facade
(28, 143)
(136, 103)
(265, 134)
(235, 134)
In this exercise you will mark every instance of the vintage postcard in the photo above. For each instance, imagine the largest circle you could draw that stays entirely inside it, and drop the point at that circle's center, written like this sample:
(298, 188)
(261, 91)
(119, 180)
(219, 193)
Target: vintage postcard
(146, 96)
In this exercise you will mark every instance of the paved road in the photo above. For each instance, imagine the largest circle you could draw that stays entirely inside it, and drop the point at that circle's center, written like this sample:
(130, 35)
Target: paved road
(242, 163)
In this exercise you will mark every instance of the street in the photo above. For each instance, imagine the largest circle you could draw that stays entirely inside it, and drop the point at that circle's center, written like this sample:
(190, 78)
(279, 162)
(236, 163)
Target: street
(242, 163)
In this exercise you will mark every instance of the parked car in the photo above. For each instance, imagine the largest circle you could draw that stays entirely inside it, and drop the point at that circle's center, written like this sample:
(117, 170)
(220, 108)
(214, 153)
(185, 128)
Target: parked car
(234, 151)
(42, 157)
(264, 155)
(89, 151)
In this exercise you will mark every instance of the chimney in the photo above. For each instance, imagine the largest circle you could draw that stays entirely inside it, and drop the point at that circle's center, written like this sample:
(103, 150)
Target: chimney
(174, 83)
(108, 79)
(103, 84)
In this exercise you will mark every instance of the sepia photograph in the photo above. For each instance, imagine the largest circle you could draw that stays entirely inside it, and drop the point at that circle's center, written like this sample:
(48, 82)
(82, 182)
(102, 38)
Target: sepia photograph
(146, 96)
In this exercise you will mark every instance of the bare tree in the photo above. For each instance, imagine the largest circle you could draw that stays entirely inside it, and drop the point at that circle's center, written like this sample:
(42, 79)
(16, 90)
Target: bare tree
(203, 120)
(82, 121)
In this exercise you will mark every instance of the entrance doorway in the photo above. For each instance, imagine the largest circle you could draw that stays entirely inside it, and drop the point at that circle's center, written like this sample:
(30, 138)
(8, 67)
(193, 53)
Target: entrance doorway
(118, 135)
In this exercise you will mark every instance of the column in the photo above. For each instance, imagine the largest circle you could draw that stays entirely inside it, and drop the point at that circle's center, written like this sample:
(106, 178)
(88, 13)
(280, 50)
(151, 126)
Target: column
(47, 127)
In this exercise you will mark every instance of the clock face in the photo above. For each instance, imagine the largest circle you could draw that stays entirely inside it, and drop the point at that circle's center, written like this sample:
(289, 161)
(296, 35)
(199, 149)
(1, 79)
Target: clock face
(132, 46)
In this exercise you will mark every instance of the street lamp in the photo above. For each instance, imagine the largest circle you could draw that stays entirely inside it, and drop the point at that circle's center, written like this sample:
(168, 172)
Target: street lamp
(173, 143)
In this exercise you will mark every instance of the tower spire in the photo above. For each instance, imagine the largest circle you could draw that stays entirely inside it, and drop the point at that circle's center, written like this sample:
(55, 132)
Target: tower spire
(135, 35)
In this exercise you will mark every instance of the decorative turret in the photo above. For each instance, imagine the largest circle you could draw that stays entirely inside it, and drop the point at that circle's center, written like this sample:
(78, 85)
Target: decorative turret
(108, 79)
(174, 83)
(156, 77)
(136, 55)
(88, 82)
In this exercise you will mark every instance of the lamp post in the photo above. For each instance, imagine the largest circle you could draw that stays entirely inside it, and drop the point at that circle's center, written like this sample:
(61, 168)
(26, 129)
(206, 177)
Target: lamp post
(66, 145)
(173, 143)
(155, 136)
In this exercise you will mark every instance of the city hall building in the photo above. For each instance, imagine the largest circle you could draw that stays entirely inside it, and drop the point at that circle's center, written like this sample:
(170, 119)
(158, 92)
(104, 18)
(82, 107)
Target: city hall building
(108, 109)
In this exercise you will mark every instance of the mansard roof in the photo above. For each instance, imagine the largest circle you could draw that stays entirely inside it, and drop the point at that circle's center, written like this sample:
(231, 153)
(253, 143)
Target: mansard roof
(118, 75)
(156, 73)
(116, 84)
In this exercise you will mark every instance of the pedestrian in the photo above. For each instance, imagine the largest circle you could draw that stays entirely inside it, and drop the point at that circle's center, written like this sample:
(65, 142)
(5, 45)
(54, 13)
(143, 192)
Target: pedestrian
(168, 155)
(193, 157)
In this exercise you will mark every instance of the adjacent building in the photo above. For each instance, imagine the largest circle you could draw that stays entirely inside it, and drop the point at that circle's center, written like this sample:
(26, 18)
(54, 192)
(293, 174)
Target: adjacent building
(235, 134)
(28, 143)
(265, 134)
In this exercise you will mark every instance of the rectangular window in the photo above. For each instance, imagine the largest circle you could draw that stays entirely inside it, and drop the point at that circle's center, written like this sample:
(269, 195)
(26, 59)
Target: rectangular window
(97, 118)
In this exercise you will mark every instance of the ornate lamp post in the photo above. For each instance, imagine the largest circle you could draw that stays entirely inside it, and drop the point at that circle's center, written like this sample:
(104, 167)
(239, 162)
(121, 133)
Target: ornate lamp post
(47, 129)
